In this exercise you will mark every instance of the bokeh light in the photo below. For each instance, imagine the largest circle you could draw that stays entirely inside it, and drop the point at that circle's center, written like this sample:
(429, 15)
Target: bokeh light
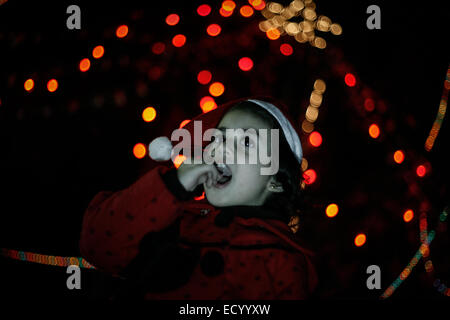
(172, 19)
(179, 159)
(139, 150)
(421, 171)
(332, 210)
(350, 80)
(374, 131)
(179, 40)
(149, 114)
(204, 77)
(201, 197)
(203, 10)
(258, 4)
(315, 138)
(245, 64)
(98, 52)
(225, 13)
(122, 31)
(52, 85)
(286, 49)
(158, 48)
(369, 104)
(216, 89)
(207, 104)
(246, 11)
(213, 30)
(310, 176)
(29, 85)
(399, 156)
(184, 122)
(408, 215)
(360, 240)
(273, 34)
(228, 5)
(85, 64)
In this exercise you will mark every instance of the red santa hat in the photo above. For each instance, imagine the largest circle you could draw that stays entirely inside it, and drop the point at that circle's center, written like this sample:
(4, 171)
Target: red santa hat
(160, 149)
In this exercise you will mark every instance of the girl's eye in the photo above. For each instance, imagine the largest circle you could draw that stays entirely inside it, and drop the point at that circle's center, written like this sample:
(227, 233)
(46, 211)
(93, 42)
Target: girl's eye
(247, 142)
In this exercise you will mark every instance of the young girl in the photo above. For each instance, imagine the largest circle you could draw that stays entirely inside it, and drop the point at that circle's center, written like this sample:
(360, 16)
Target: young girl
(239, 242)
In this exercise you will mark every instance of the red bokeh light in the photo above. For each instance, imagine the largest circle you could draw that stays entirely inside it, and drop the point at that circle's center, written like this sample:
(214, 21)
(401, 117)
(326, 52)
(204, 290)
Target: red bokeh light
(203, 10)
(245, 64)
(315, 138)
(350, 80)
(204, 77)
(310, 176)
(421, 171)
(286, 49)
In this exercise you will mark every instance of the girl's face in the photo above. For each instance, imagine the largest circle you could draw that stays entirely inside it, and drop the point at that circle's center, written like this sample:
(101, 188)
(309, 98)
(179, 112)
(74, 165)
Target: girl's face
(247, 186)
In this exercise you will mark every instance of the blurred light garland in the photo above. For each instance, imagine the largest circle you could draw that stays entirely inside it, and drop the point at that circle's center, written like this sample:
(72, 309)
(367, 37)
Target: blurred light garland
(57, 261)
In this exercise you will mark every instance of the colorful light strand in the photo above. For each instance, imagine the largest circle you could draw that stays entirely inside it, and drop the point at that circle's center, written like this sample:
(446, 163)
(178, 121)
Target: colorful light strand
(57, 261)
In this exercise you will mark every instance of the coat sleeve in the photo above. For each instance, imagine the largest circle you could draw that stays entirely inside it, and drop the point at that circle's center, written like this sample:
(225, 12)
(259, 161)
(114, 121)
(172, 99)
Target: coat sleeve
(295, 277)
(115, 222)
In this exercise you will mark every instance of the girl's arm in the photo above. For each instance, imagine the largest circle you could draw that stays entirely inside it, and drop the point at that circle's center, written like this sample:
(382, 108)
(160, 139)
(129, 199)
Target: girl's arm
(115, 222)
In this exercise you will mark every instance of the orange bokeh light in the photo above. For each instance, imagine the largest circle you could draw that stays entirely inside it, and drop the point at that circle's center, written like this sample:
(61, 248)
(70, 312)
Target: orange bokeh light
(149, 114)
(213, 30)
(52, 85)
(246, 11)
(408, 215)
(139, 150)
(204, 77)
(315, 138)
(122, 31)
(184, 122)
(225, 13)
(399, 156)
(257, 4)
(216, 89)
(203, 10)
(179, 40)
(200, 197)
(207, 104)
(421, 170)
(98, 52)
(245, 64)
(178, 160)
(228, 5)
(85, 64)
(332, 210)
(273, 34)
(29, 85)
(374, 131)
(310, 176)
(360, 240)
(172, 19)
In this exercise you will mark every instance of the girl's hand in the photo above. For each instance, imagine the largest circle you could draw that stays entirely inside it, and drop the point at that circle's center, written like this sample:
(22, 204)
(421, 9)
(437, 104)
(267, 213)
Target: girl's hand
(191, 175)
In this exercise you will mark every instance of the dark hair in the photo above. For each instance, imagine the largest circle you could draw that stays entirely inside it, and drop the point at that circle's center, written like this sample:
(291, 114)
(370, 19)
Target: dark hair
(289, 175)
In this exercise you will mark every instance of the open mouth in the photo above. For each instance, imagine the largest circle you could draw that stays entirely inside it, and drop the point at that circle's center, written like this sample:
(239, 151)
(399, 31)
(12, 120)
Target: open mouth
(225, 171)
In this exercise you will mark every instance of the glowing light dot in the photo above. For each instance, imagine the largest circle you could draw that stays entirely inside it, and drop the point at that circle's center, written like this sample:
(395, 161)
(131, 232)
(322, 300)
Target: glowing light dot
(408, 215)
(204, 77)
(179, 40)
(360, 240)
(122, 31)
(369, 104)
(172, 19)
(29, 85)
(85, 64)
(246, 11)
(286, 49)
(374, 131)
(184, 122)
(179, 159)
(200, 197)
(216, 89)
(350, 80)
(315, 138)
(213, 30)
(273, 34)
(139, 150)
(245, 64)
(98, 52)
(225, 13)
(52, 85)
(228, 5)
(421, 171)
(158, 48)
(332, 210)
(399, 156)
(207, 104)
(258, 4)
(149, 114)
(309, 176)
(203, 10)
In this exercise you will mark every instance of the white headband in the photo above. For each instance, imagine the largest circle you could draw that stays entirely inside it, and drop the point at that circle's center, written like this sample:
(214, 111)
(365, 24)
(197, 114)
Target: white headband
(289, 132)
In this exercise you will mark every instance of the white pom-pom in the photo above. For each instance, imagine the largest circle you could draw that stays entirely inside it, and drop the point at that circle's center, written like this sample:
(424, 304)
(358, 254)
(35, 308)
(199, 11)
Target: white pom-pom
(160, 149)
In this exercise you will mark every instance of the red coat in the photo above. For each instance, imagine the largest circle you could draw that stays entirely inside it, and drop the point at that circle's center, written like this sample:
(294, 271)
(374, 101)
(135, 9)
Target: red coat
(186, 249)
